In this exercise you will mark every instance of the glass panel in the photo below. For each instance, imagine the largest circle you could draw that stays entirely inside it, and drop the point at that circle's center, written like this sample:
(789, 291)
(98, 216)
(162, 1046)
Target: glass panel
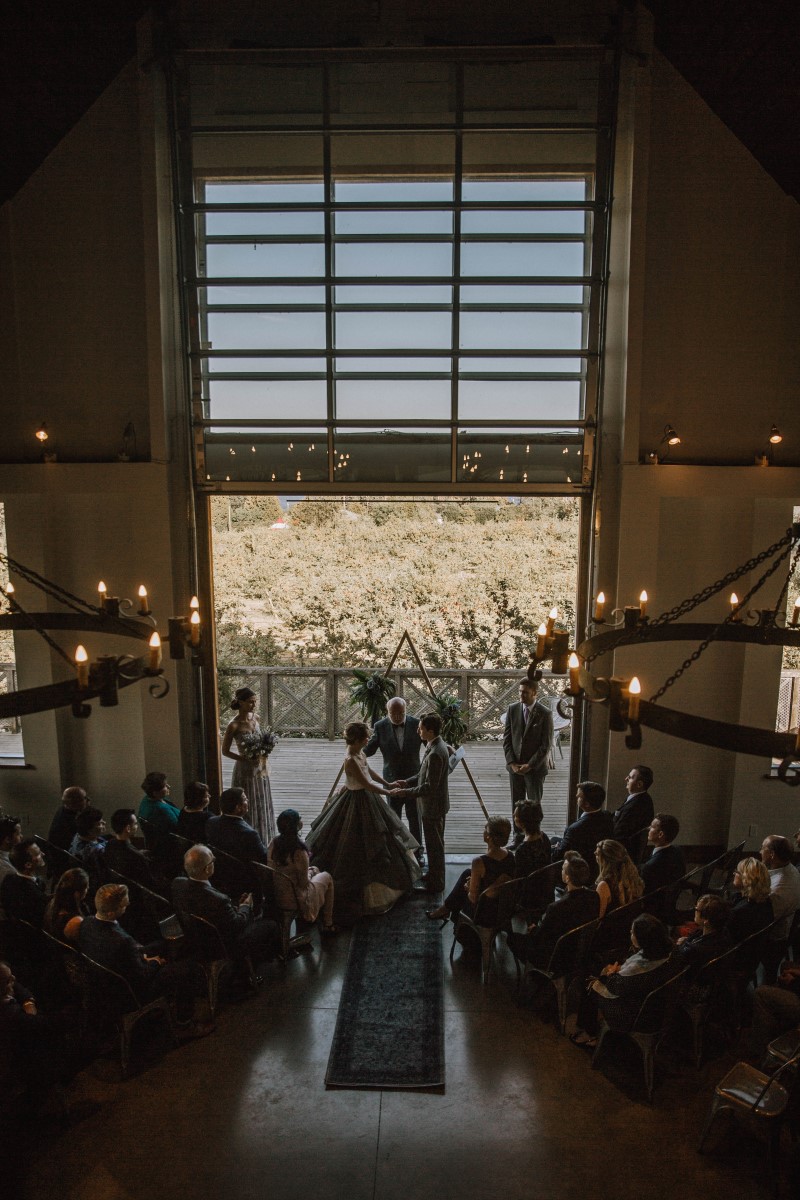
(403, 366)
(396, 221)
(273, 223)
(392, 330)
(520, 331)
(522, 258)
(266, 331)
(260, 456)
(401, 258)
(278, 260)
(393, 399)
(267, 399)
(265, 295)
(507, 456)
(394, 293)
(521, 221)
(392, 191)
(519, 400)
(258, 366)
(416, 162)
(515, 293)
(533, 366)
(247, 192)
(394, 456)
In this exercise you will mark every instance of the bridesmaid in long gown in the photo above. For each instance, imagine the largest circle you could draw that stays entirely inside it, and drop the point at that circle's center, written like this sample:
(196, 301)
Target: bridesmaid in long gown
(250, 774)
(359, 840)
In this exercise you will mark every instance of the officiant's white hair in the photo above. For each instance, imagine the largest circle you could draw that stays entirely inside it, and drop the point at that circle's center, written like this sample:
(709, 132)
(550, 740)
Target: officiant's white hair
(396, 702)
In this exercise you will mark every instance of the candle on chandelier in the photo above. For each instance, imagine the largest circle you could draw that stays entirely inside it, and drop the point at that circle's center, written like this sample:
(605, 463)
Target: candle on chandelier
(734, 603)
(102, 592)
(194, 628)
(144, 607)
(795, 612)
(551, 619)
(634, 692)
(194, 604)
(600, 607)
(154, 654)
(643, 603)
(574, 669)
(10, 590)
(541, 634)
(82, 666)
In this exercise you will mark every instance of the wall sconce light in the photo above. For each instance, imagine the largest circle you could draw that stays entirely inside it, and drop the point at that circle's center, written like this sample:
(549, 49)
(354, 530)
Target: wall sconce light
(775, 435)
(670, 436)
(764, 457)
(41, 432)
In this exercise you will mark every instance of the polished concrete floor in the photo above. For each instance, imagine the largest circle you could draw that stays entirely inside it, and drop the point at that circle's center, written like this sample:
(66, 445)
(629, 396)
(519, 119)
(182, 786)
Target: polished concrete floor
(244, 1114)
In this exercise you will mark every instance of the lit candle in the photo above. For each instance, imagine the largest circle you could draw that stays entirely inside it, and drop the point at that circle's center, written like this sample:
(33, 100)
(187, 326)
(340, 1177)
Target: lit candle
(10, 591)
(82, 665)
(154, 656)
(634, 692)
(574, 668)
(102, 592)
(734, 602)
(643, 602)
(144, 608)
(541, 634)
(194, 604)
(194, 628)
(795, 610)
(551, 619)
(599, 606)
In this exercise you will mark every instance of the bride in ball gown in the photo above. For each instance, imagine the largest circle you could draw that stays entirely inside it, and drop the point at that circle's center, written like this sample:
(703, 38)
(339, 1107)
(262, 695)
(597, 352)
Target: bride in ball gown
(357, 837)
(248, 773)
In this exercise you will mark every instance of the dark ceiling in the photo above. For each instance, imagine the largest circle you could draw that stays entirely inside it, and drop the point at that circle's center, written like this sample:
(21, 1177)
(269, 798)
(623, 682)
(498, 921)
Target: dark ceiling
(57, 56)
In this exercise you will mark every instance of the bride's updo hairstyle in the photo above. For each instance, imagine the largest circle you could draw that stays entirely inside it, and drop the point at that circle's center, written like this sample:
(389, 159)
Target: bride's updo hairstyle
(355, 731)
(240, 695)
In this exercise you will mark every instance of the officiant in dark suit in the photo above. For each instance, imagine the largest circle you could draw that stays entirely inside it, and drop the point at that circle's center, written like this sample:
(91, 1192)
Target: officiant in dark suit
(527, 739)
(397, 738)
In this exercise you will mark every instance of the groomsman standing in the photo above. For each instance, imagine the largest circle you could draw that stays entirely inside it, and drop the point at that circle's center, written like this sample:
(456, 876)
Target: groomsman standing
(527, 738)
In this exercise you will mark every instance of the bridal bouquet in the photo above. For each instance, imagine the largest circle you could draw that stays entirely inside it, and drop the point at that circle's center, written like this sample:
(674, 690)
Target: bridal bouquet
(258, 745)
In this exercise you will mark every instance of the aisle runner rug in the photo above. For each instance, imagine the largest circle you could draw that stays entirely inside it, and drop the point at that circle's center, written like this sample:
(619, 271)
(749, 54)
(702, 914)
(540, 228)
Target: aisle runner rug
(390, 1028)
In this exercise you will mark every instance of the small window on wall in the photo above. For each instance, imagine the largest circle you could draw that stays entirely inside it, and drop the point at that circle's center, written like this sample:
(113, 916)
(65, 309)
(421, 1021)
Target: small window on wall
(10, 727)
(788, 715)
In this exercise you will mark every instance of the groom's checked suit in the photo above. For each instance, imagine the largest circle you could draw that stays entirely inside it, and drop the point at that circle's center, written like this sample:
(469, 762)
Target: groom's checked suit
(399, 762)
(528, 742)
(431, 786)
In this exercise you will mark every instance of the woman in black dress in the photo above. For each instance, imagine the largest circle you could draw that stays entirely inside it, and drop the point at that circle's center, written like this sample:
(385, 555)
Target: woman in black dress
(483, 878)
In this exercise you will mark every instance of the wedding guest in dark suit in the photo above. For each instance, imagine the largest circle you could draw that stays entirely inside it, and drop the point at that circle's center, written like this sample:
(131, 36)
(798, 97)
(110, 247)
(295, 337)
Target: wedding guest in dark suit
(636, 811)
(21, 892)
(242, 935)
(193, 817)
(121, 855)
(62, 828)
(527, 739)
(711, 937)
(397, 737)
(665, 865)
(592, 826)
(577, 907)
(231, 833)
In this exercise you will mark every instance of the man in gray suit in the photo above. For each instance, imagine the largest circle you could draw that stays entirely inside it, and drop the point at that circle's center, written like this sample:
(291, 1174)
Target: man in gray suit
(527, 738)
(431, 788)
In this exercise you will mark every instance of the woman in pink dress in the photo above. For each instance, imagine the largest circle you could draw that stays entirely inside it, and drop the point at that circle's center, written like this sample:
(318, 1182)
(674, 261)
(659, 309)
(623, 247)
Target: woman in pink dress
(297, 883)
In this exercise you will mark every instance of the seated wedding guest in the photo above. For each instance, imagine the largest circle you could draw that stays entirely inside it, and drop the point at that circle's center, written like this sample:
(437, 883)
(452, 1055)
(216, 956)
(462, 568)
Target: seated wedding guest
(193, 817)
(62, 828)
(776, 855)
(776, 1009)
(297, 883)
(242, 935)
(592, 826)
(89, 841)
(103, 939)
(710, 939)
(621, 989)
(10, 836)
(230, 831)
(618, 881)
(752, 908)
(157, 810)
(485, 875)
(579, 905)
(67, 906)
(22, 893)
(636, 811)
(666, 865)
(33, 1047)
(121, 855)
(531, 854)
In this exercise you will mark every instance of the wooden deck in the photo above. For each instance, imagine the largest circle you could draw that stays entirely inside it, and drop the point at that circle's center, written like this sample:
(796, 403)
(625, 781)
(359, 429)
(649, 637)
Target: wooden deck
(302, 771)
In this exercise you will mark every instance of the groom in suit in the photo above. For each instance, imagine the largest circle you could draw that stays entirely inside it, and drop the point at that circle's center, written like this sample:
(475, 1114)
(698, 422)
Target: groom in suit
(397, 738)
(431, 787)
(527, 738)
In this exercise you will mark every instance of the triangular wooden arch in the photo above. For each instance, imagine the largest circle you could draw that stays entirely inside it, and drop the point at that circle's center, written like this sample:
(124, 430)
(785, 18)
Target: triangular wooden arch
(407, 639)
